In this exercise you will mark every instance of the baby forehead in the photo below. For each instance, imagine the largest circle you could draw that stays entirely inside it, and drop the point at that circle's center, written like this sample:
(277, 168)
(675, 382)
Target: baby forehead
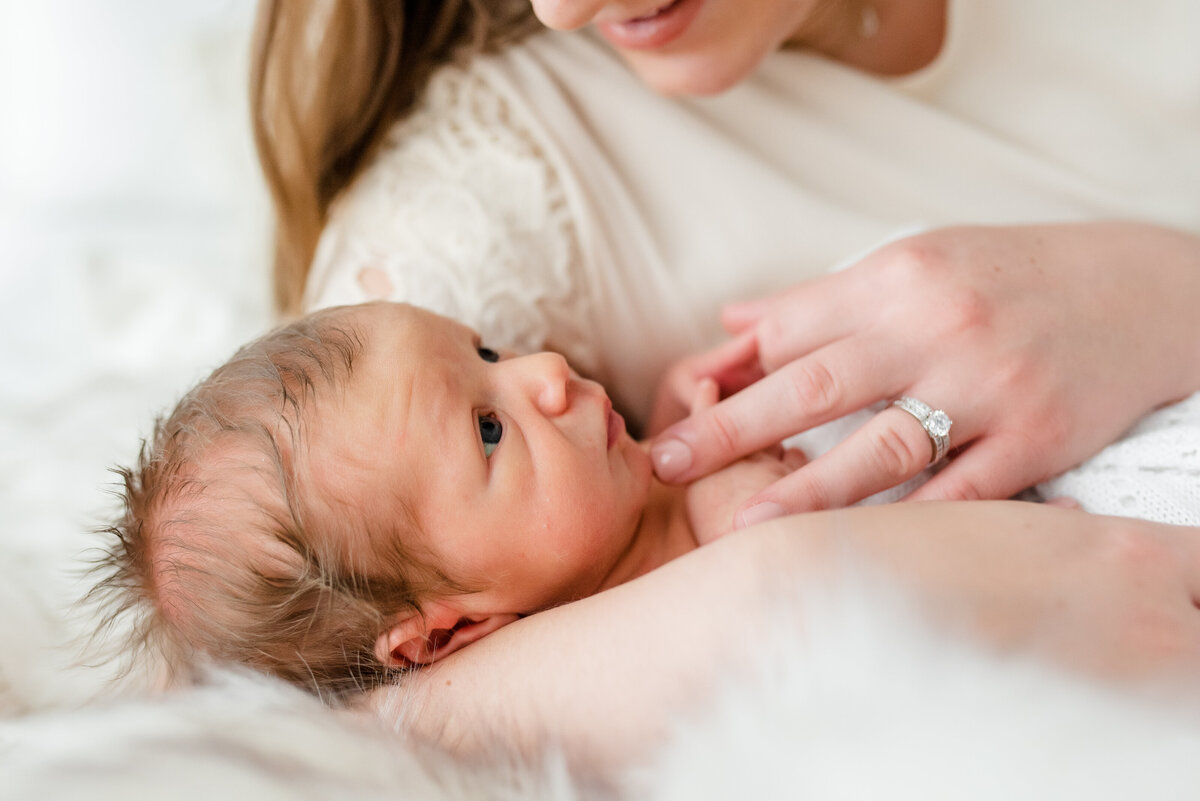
(405, 381)
(404, 348)
(405, 320)
(410, 369)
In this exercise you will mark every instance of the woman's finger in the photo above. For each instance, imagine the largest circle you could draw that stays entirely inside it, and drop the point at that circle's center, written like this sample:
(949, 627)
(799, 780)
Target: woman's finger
(836, 380)
(992, 468)
(741, 316)
(801, 320)
(890, 449)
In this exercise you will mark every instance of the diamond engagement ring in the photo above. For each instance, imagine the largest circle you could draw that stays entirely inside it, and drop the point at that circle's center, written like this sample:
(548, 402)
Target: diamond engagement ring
(935, 422)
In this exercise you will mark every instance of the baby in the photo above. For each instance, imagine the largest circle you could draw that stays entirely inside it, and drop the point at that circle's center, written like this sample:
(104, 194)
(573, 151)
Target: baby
(372, 488)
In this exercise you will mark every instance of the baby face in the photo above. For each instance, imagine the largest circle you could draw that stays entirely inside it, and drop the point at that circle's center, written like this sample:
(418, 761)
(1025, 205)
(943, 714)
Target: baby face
(521, 477)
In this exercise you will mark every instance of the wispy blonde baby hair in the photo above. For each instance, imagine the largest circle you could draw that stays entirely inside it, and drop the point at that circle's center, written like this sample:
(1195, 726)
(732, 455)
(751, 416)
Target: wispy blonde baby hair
(218, 554)
(329, 78)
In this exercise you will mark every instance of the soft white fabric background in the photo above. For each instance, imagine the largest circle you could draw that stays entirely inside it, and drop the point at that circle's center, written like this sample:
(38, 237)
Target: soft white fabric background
(133, 256)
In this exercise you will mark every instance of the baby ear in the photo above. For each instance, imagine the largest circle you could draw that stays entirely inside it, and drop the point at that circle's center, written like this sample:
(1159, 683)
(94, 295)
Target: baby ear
(416, 639)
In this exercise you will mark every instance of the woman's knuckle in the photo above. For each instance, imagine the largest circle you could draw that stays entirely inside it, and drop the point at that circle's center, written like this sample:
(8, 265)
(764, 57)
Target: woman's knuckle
(916, 261)
(1056, 430)
(771, 334)
(965, 310)
(810, 495)
(895, 456)
(924, 277)
(964, 489)
(813, 387)
(725, 432)
(1013, 373)
(1041, 440)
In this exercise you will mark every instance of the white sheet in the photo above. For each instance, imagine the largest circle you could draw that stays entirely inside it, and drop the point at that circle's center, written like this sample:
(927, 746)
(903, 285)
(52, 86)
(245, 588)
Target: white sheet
(132, 253)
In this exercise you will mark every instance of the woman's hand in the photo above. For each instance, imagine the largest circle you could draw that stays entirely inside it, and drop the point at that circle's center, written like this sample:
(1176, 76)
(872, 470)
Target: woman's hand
(1042, 343)
(712, 500)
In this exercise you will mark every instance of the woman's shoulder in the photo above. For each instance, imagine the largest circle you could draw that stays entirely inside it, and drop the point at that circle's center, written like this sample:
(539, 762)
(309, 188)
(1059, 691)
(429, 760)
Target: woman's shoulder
(460, 151)
(460, 210)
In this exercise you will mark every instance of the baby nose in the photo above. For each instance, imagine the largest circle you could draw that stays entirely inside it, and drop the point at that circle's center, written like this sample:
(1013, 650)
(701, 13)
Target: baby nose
(547, 377)
(566, 15)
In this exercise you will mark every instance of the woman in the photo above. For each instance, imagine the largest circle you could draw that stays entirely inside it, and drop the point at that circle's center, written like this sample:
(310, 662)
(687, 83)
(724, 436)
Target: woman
(1046, 174)
(543, 196)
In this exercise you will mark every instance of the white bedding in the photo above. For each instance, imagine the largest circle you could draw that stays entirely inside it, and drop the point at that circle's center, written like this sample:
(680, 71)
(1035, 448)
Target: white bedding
(133, 259)
(133, 251)
(866, 704)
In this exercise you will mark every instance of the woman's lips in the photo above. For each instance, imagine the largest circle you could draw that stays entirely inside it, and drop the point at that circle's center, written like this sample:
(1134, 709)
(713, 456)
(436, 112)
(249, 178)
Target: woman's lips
(654, 30)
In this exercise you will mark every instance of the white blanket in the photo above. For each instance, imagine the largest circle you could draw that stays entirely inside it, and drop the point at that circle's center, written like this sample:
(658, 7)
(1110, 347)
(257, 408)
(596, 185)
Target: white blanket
(867, 703)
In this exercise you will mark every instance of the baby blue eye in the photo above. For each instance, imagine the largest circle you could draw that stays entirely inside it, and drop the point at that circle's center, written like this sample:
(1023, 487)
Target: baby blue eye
(490, 431)
(487, 354)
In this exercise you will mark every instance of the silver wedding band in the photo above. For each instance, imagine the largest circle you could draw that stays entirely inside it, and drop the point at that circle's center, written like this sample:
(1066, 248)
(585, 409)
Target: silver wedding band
(935, 422)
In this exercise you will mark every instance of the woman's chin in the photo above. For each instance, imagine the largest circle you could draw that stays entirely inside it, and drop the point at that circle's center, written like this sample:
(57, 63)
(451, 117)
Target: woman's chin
(699, 75)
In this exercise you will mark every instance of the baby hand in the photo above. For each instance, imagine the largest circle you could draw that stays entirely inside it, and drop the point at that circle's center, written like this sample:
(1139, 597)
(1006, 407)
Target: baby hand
(733, 366)
(712, 500)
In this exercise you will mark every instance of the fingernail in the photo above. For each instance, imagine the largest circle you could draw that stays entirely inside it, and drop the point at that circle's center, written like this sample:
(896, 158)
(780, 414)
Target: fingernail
(671, 459)
(758, 513)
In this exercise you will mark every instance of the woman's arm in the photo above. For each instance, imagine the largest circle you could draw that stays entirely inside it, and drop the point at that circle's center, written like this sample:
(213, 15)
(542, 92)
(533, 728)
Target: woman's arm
(603, 677)
(1043, 343)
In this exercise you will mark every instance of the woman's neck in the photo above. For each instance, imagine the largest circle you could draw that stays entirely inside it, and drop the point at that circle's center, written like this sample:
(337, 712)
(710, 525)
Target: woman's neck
(885, 37)
(663, 533)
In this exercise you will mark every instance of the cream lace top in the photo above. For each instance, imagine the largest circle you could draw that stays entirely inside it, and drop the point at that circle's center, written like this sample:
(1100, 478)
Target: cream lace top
(546, 198)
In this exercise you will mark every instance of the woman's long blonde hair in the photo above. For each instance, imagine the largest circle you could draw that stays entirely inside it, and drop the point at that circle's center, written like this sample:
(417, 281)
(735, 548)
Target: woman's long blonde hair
(328, 79)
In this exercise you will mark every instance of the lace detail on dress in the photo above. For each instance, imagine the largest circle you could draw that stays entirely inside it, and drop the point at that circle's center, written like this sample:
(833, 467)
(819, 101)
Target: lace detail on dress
(463, 213)
(1153, 472)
